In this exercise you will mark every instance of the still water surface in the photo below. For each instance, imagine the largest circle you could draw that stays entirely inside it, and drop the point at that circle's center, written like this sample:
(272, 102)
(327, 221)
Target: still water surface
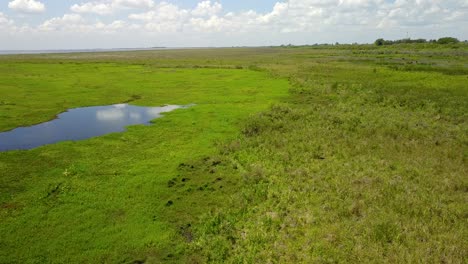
(81, 123)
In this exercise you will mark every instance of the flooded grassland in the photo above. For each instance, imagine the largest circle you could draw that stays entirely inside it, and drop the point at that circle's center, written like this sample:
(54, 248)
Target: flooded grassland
(292, 155)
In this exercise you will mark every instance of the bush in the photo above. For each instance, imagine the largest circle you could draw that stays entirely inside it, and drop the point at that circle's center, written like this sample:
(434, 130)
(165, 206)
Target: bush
(381, 41)
(447, 40)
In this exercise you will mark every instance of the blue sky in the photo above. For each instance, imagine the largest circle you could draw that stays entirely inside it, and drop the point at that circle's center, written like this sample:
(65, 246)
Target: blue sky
(52, 24)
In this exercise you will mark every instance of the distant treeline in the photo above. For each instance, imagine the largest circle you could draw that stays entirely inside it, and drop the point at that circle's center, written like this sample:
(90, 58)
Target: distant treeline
(445, 40)
(384, 42)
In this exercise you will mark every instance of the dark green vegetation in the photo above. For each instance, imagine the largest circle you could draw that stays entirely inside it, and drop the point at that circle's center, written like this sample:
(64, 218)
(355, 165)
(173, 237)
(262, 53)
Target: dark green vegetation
(365, 160)
(445, 40)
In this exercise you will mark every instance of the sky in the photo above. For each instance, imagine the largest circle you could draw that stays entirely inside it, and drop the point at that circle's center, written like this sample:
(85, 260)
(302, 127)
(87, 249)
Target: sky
(83, 24)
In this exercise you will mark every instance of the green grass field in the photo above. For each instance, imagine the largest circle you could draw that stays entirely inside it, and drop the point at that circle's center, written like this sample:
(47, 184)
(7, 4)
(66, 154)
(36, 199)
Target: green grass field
(344, 154)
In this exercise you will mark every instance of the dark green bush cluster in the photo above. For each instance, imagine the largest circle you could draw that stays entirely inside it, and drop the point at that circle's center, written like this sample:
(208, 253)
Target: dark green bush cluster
(445, 40)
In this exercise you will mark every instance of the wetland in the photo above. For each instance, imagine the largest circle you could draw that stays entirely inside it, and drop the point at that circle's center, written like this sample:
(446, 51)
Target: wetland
(314, 154)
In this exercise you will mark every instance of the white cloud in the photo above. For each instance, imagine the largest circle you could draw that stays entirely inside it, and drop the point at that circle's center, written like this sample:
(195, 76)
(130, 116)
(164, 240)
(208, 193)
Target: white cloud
(4, 21)
(212, 24)
(134, 3)
(58, 23)
(305, 16)
(161, 23)
(294, 16)
(93, 7)
(9, 29)
(6, 25)
(76, 24)
(413, 13)
(163, 12)
(208, 9)
(27, 6)
(164, 17)
(106, 7)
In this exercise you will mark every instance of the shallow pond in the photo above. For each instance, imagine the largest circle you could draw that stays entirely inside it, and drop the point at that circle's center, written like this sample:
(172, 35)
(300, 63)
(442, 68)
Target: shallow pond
(81, 123)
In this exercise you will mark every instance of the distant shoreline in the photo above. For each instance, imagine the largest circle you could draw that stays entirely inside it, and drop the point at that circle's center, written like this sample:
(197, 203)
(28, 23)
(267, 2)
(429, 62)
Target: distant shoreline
(379, 42)
(20, 52)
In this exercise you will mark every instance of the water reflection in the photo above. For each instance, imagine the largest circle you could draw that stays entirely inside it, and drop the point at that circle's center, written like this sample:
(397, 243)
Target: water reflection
(82, 123)
(110, 114)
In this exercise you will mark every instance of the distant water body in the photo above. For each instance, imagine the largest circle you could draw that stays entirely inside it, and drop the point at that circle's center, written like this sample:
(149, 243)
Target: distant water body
(16, 52)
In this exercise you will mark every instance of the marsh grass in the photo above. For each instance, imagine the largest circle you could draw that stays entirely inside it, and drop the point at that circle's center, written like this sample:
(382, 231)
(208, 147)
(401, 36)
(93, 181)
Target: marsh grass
(364, 161)
(350, 175)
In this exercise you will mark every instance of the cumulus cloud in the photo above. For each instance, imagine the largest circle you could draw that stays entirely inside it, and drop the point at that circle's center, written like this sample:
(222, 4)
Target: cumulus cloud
(207, 8)
(6, 24)
(422, 12)
(27, 6)
(167, 17)
(295, 21)
(311, 15)
(297, 16)
(93, 7)
(58, 23)
(163, 12)
(134, 3)
(164, 17)
(77, 24)
(106, 7)
(4, 21)
(293, 16)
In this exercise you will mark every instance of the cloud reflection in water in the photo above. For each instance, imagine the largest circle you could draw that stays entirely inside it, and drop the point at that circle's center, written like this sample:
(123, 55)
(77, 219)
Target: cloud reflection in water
(82, 123)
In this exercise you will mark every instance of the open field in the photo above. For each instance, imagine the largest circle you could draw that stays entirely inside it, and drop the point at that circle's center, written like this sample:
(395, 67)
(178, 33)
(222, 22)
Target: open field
(344, 154)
